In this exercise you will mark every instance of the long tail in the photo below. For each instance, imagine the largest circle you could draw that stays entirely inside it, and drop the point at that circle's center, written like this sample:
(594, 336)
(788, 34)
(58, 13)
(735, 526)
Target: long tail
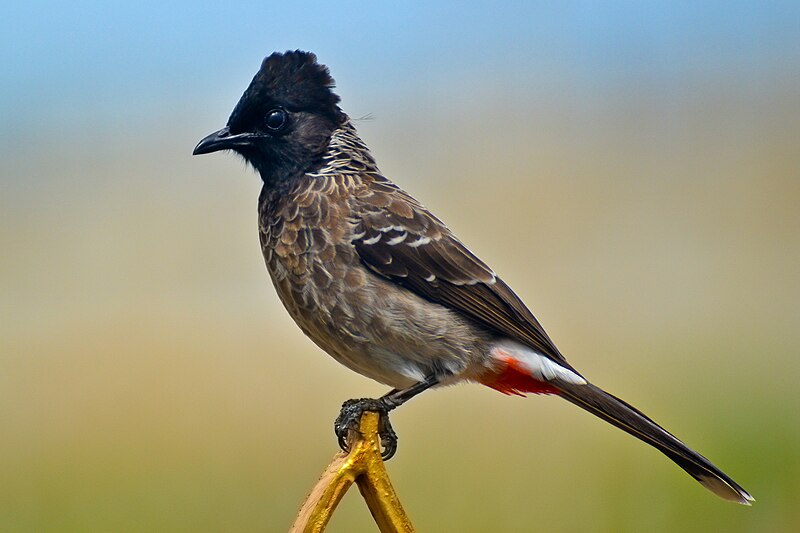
(631, 420)
(522, 371)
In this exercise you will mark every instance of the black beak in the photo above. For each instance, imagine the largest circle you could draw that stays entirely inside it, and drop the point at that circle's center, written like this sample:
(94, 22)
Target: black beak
(222, 140)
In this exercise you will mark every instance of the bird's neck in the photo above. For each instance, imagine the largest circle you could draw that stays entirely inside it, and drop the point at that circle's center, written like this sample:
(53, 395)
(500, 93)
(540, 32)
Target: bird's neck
(346, 154)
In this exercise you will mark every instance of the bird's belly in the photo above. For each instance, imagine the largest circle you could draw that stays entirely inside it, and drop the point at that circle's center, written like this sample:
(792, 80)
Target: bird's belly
(377, 328)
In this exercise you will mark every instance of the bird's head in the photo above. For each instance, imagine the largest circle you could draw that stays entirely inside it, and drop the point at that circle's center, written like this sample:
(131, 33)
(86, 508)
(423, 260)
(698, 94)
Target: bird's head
(285, 118)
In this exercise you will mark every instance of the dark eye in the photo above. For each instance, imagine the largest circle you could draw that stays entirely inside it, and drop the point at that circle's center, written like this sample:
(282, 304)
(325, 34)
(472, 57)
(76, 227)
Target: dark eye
(276, 119)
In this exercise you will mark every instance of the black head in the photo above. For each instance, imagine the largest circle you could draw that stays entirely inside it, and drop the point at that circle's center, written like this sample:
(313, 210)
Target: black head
(284, 120)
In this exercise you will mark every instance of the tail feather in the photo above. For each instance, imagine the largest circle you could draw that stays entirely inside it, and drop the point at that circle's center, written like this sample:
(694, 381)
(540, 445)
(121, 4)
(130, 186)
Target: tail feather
(629, 419)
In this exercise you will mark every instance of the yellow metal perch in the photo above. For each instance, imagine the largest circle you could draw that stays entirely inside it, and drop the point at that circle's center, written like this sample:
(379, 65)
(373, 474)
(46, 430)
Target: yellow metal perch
(364, 466)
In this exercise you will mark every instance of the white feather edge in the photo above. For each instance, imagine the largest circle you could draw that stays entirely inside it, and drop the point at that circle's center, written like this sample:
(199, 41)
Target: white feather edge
(540, 367)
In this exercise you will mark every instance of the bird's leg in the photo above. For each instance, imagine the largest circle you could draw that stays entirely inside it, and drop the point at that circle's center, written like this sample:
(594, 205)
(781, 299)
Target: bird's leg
(351, 412)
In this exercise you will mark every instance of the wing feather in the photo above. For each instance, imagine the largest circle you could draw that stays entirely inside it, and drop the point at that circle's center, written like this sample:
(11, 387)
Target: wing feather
(434, 264)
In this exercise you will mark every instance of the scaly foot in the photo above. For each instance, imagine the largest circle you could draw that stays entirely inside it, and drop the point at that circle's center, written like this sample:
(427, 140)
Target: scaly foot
(350, 417)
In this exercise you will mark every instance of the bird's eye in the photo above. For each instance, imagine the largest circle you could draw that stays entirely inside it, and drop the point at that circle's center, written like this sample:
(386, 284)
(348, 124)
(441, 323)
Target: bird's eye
(276, 119)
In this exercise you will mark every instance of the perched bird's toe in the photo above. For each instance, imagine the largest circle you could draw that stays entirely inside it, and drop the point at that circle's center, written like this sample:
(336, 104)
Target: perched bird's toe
(388, 437)
(350, 417)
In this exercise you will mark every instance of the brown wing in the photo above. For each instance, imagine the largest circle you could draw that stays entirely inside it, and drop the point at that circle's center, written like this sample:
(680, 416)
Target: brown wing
(399, 239)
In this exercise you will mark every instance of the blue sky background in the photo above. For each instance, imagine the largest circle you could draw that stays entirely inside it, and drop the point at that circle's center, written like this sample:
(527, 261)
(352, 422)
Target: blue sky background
(62, 59)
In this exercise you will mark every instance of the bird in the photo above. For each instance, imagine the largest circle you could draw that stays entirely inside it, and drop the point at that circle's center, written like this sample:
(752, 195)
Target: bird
(381, 284)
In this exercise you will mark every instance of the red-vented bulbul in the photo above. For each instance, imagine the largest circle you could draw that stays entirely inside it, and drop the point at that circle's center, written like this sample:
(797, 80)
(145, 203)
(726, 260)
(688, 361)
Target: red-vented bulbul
(380, 283)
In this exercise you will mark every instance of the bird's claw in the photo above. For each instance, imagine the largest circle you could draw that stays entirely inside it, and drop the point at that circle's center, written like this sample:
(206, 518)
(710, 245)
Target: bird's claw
(350, 417)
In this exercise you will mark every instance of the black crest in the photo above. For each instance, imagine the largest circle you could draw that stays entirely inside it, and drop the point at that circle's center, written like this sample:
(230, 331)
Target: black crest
(293, 80)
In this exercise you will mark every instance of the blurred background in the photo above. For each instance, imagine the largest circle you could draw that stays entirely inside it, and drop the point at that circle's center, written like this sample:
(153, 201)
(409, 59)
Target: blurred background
(631, 169)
